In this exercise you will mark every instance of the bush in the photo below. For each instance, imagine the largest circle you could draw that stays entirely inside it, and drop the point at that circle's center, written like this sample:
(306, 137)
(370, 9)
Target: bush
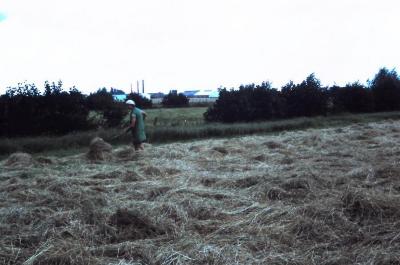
(353, 98)
(104, 103)
(4, 114)
(115, 113)
(306, 99)
(26, 112)
(249, 103)
(100, 101)
(386, 90)
(174, 100)
(140, 101)
(19, 110)
(63, 112)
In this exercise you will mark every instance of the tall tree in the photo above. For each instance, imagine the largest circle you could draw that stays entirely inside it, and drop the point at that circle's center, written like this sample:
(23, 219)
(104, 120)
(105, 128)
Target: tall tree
(386, 90)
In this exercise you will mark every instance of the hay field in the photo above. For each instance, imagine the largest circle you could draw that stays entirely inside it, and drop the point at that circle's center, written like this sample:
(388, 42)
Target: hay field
(320, 196)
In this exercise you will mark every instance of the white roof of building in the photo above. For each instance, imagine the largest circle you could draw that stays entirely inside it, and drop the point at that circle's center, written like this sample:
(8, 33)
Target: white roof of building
(208, 92)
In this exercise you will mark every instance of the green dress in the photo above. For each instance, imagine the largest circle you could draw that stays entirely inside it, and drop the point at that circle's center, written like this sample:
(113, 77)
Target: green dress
(138, 132)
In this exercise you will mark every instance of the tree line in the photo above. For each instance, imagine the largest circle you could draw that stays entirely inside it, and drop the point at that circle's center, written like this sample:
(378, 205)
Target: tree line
(308, 98)
(25, 111)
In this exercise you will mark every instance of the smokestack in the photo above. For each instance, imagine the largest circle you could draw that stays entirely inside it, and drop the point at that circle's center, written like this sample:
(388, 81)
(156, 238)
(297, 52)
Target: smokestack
(143, 86)
(137, 85)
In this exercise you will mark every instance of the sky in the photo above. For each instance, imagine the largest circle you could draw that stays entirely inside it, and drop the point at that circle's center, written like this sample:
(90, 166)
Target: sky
(187, 44)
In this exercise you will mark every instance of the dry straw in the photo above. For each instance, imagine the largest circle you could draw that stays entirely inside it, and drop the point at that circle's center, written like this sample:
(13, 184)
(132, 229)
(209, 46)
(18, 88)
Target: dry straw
(323, 196)
(99, 150)
(19, 160)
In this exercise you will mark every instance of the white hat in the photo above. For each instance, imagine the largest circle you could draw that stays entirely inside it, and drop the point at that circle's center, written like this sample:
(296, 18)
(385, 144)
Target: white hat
(130, 102)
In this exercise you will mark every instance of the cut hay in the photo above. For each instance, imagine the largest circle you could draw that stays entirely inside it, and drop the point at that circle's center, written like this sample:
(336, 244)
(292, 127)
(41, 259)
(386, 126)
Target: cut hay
(99, 150)
(131, 225)
(366, 207)
(127, 253)
(126, 154)
(62, 252)
(127, 176)
(273, 145)
(152, 171)
(46, 160)
(19, 160)
(277, 194)
(321, 196)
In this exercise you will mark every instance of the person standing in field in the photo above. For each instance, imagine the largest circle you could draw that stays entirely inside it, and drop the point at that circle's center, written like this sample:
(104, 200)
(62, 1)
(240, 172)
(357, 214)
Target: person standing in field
(136, 125)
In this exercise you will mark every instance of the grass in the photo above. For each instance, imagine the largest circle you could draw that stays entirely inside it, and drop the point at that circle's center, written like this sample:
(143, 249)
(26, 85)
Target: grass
(169, 125)
(317, 196)
(171, 117)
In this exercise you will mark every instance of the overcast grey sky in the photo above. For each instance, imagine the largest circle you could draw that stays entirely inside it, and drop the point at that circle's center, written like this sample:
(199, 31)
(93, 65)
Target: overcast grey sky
(187, 44)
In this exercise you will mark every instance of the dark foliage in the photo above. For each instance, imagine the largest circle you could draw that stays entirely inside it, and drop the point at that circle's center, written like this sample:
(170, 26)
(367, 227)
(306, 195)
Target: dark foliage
(100, 101)
(141, 102)
(103, 102)
(115, 113)
(115, 91)
(18, 109)
(353, 98)
(24, 111)
(174, 100)
(62, 112)
(252, 103)
(386, 90)
(305, 99)
(247, 104)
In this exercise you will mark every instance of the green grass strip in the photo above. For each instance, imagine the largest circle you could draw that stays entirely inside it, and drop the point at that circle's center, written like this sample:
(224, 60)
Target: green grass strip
(182, 132)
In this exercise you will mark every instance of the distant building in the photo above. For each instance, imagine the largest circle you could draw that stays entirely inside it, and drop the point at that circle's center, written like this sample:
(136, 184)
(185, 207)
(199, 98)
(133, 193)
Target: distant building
(118, 94)
(190, 93)
(115, 91)
(156, 95)
(207, 94)
(145, 95)
(120, 97)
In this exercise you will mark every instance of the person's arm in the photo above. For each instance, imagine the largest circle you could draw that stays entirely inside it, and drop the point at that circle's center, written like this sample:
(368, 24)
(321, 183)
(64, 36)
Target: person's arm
(133, 122)
(144, 115)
